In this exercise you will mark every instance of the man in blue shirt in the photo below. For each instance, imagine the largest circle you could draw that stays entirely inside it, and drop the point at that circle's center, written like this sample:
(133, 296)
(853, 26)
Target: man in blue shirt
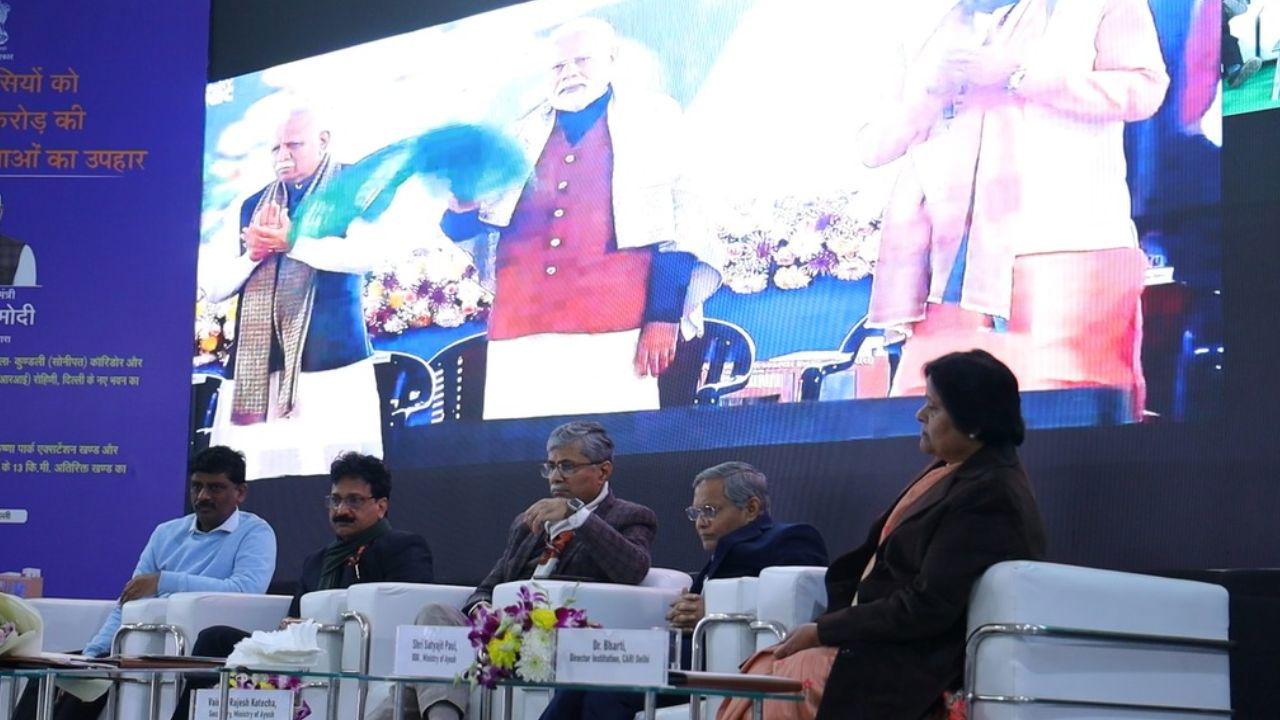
(218, 548)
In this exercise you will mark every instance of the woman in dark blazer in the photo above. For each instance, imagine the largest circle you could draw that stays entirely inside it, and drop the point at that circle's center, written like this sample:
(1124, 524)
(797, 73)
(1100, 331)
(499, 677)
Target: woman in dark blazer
(894, 634)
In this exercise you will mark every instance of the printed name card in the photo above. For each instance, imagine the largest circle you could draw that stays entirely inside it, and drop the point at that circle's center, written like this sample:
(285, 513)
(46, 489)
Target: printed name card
(615, 657)
(433, 652)
(246, 705)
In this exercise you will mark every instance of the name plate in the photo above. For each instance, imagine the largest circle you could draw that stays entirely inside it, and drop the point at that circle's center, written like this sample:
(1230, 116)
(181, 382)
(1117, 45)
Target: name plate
(433, 651)
(12, 516)
(246, 705)
(612, 657)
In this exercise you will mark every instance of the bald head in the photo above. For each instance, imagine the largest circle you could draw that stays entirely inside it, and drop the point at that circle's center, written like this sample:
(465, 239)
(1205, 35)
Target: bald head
(299, 146)
(582, 55)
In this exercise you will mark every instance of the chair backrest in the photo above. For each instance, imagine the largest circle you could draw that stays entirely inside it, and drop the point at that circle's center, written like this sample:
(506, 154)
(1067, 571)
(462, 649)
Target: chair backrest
(728, 356)
(1058, 625)
(69, 625)
(790, 596)
(406, 385)
(460, 369)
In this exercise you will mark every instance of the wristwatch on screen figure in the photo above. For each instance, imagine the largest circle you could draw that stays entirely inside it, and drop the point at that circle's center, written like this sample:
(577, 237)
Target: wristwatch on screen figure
(1014, 83)
(575, 505)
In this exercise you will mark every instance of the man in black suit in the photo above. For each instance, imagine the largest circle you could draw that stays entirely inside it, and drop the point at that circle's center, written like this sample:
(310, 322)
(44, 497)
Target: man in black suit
(730, 513)
(366, 549)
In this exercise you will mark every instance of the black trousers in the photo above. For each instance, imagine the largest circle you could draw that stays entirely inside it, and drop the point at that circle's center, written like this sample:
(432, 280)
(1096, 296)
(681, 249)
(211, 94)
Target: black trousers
(216, 642)
(1232, 58)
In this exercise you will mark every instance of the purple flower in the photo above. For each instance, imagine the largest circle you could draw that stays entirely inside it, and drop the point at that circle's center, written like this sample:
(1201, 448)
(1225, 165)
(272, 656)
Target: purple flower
(764, 249)
(439, 296)
(484, 624)
(824, 220)
(489, 676)
(567, 617)
(823, 262)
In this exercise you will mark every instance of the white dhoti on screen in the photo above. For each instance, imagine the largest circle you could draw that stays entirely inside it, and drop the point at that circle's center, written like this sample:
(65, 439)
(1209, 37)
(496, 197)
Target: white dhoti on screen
(565, 374)
(336, 411)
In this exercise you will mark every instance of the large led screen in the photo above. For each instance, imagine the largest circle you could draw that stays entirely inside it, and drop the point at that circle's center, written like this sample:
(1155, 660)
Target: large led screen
(709, 223)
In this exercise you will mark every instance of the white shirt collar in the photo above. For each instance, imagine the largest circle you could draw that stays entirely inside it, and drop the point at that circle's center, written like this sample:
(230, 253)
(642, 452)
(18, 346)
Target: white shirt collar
(229, 526)
(604, 493)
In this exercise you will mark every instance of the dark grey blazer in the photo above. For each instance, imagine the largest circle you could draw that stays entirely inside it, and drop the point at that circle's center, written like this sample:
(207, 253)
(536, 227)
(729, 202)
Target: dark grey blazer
(611, 546)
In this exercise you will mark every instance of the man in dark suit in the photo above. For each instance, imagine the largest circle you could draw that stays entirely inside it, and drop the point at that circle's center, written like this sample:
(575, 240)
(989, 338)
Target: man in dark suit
(366, 549)
(730, 513)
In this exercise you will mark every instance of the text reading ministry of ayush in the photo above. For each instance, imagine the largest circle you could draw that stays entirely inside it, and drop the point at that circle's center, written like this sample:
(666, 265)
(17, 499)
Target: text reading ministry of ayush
(71, 119)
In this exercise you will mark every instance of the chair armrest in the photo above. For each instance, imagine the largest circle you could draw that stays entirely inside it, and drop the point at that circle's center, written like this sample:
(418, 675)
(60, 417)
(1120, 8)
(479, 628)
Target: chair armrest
(1038, 593)
(667, 578)
(790, 596)
(196, 611)
(70, 624)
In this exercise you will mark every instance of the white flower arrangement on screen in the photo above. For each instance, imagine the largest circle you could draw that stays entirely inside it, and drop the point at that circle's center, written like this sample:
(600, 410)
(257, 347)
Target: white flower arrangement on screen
(215, 331)
(431, 287)
(793, 241)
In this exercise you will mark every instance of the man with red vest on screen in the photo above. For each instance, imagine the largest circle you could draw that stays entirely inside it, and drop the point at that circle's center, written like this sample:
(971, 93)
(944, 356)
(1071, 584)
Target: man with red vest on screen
(599, 267)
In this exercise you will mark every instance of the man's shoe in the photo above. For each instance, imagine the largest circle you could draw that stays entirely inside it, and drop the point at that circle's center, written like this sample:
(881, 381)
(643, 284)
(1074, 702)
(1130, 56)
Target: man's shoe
(1246, 71)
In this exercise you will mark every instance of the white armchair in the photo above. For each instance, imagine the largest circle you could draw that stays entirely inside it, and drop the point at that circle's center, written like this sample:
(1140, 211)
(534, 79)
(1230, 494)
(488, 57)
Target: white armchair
(383, 607)
(1059, 641)
(748, 614)
(329, 608)
(170, 625)
(69, 625)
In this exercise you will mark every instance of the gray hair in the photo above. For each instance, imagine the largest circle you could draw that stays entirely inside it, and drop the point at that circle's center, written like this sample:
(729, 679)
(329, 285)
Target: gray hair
(597, 446)
(742, 481)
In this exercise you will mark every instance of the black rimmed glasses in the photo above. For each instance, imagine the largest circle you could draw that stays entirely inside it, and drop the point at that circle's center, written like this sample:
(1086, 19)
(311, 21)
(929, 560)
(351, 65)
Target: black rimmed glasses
(565, 467)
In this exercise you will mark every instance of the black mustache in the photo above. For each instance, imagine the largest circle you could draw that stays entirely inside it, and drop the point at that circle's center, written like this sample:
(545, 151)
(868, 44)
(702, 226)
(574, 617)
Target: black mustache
(204, 505)
(344, 519)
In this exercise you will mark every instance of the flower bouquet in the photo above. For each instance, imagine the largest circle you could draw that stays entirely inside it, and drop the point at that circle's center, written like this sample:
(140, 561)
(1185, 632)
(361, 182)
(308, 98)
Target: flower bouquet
(265, 681)
(215, 330)
(519, 640)
(20, 627)
(430, 287)
(792, 241)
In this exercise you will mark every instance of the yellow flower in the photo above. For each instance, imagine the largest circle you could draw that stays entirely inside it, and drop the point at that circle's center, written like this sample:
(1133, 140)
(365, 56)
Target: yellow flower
(543, 619)
(502, 650)
(209, 343)
(397, 299)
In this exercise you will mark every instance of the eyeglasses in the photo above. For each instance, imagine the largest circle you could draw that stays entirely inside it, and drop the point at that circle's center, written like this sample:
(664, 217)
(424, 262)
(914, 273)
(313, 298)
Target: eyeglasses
(355, 502)
(565, 467)
(707, 511)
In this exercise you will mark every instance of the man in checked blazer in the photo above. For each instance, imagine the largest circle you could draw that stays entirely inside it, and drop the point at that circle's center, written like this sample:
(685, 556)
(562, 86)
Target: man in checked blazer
(582, 532)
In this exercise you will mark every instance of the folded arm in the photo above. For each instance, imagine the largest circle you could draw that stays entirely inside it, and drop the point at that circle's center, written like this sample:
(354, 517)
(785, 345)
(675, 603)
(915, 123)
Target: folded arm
(1128, 80)
(623, 553)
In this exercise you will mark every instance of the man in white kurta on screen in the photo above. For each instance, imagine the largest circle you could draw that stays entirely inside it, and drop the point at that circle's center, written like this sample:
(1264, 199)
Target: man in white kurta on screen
(599, 264)
(301, 382)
